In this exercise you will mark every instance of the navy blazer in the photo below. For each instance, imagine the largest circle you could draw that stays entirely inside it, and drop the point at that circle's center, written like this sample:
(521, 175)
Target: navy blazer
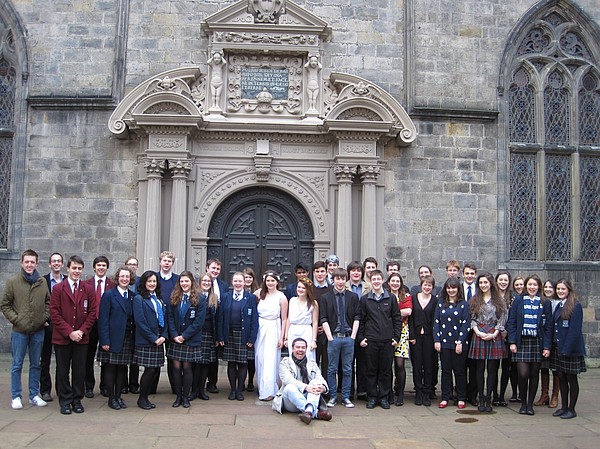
(191, 326)
(249, 317)
(567, 333)
(516, 319)
(113, 317)
(147, 330)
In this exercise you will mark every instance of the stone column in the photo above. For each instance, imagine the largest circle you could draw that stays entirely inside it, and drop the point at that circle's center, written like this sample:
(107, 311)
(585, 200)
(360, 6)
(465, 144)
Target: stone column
(180, 169)
(343, 235)
(370, 212)
(151, 245)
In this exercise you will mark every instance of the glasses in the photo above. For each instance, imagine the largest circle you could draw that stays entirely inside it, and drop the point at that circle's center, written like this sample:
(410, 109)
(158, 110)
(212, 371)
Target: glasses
(133, 264)
(56, 261)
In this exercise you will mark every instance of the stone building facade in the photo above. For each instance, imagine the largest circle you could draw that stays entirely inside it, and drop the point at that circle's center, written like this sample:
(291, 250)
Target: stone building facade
(416, 130)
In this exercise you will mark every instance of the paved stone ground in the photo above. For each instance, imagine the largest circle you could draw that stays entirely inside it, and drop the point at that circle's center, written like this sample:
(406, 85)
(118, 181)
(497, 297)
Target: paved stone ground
(220, 423)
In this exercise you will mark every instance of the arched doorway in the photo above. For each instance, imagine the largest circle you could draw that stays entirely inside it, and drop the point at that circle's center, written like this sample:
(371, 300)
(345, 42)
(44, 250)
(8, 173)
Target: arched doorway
(261, 228)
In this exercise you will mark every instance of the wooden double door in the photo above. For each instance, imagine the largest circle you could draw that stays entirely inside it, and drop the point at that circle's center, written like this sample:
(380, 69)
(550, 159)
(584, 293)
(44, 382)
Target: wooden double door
(261, 228)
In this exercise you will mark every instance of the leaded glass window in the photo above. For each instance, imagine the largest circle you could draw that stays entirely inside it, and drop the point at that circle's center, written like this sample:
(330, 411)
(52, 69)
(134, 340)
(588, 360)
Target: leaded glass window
(554, 138)
(7, 106)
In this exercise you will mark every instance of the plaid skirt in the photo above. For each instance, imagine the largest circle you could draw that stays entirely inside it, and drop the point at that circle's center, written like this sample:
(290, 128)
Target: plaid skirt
(565, 363)
(208, 352)
(234, 350)
(487, 349)
(125, 357)
(183, 352)
(529, 351)
(149, 356)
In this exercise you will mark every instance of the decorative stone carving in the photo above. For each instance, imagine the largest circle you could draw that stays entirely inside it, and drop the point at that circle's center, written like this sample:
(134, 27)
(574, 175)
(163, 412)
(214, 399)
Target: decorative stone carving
(266, 11)
(369, 173)
(217, 64)
(262, 164)
(180, 168)
(344, 173)
(313, 68)
(154, 168)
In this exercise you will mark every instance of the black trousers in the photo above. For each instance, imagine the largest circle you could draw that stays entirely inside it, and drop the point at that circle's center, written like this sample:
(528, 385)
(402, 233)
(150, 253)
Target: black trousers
(422, 361)
(453, 363)
(45, 377)
(90, 379)
(70, 358)
(379, 357)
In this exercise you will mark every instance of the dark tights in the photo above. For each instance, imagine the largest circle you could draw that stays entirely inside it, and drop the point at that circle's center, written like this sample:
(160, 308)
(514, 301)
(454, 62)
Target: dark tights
(509, 372)
(529, 378)
(492, 376)
(146, 382)
(114, 379)
(251, 371)
(200, 374)
(568, 384)
(236, 373)
(182, 378)
(400, 372)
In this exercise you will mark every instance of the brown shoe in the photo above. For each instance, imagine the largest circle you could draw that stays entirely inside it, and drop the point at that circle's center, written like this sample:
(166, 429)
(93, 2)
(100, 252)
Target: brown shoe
(324, 415)
(305, 417)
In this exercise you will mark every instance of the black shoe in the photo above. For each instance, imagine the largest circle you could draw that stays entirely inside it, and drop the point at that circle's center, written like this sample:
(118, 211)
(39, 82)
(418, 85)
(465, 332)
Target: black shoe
(523, 410)
(432, 395)
(152, 404)
(203, 396)
(568, 414)
(559, 412)
(65, 409)
(134, 390)
(418, 398)
(371, 403)
(385, 404)
(89, 394)
(231, 396)
(47, 397)
(211, 388)
(399, 400)
(530, 411)
(114, 404)
(144, 404)
(124, 390)
(481, 406)
(185, 403)
(426, 401)
(239, 396)
(514, 399)
(177, 402)
(488, 405)
(104, 392)
(250, 388)
(77, 407)
(122, 403)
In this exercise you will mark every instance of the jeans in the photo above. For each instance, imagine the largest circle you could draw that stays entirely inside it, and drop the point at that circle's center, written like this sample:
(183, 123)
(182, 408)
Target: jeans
(340, 348)
(294, 400)
(20, 342)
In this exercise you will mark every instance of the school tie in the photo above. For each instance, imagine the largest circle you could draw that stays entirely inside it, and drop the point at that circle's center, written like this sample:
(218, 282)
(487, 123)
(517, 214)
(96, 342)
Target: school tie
(183, 307)
(159, 311)
(125, 296)
(341, 314)
(74, 288)
(99, 290)
(469, 293)
(236, 296)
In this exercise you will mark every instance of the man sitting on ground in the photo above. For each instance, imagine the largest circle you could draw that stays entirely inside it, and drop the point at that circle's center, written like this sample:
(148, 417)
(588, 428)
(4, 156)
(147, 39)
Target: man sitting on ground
(301, 385)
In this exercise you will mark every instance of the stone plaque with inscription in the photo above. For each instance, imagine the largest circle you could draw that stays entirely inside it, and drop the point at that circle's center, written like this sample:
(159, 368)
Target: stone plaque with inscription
(256, 79)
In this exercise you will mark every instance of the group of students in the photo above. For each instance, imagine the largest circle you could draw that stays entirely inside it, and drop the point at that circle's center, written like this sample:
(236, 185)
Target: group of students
(536, 326)
(360, 329)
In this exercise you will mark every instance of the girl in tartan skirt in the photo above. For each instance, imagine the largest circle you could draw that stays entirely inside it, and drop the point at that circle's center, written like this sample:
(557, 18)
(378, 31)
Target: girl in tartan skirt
(488, 317)
(527, 321)
(186, 316)
(568, 349)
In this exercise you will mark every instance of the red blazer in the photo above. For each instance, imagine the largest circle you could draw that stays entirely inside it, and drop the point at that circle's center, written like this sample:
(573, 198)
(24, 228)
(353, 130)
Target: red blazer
(91, 283)
(70, 312)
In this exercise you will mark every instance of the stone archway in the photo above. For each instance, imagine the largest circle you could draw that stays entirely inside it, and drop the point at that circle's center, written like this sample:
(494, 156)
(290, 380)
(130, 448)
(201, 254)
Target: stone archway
(261, 228)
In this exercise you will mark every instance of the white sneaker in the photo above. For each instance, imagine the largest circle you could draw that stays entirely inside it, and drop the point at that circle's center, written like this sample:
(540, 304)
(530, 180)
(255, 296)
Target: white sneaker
(347, 403)
(332, 403)
(38, 401)
(16, 404)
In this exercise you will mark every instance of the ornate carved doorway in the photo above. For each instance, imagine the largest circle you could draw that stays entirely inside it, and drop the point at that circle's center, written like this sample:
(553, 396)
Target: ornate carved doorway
(261, 228)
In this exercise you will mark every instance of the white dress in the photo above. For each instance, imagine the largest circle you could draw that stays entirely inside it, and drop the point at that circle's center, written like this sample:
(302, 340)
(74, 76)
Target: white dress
(300, 324)
(267, 354)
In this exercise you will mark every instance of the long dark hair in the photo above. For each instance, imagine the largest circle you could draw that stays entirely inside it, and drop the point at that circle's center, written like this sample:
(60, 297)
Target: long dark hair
(453, 283)
(506, 295)
(144, 293)
(571, 299)
(263, 288)
(250, 272)
(477, 301)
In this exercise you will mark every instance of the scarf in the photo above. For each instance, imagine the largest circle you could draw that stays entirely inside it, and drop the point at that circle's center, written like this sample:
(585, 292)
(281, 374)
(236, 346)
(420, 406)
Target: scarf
(531, 307)
(302, 365)
(30, 278)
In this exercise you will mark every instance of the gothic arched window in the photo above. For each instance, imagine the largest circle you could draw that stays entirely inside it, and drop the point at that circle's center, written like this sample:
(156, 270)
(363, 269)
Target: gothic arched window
(554, 142)
(8, 75)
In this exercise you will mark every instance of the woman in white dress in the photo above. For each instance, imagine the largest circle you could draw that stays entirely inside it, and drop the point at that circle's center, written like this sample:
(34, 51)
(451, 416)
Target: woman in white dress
(272, 317)
(303, 317)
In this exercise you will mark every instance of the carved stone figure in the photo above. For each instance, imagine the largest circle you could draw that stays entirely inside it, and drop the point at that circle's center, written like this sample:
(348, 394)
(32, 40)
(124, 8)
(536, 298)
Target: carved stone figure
(217, 63)
(312, 67)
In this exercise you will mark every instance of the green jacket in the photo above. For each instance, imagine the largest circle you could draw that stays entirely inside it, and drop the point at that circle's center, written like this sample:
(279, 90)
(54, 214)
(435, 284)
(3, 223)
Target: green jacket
(26, 306)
